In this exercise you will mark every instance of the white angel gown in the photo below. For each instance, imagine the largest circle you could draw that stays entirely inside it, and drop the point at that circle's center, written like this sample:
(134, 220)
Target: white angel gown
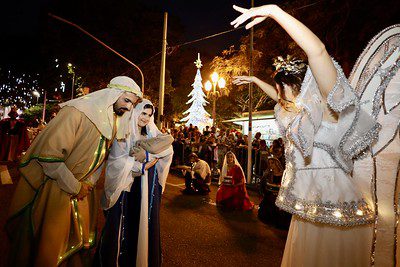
(376, 78)
(330, 226)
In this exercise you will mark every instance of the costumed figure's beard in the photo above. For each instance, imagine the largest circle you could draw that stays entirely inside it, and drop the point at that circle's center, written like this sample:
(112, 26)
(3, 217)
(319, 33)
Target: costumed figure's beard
(119, 111)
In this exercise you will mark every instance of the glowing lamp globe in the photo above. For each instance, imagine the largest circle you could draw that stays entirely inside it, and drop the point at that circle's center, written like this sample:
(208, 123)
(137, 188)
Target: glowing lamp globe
(208, 86)
(221, 83)
(214, 77)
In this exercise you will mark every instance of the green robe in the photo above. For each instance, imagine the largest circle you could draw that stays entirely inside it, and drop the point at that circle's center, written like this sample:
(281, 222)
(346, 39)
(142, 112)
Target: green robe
(47, 227)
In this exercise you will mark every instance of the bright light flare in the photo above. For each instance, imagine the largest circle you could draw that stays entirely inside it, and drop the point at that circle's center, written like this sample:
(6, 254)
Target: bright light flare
(36, 93)
(214, 77)
(221, 83)
(208, 86)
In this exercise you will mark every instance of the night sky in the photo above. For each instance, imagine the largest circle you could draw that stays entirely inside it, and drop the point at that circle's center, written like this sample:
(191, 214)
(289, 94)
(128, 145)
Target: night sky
(202, 18)
(19, 20)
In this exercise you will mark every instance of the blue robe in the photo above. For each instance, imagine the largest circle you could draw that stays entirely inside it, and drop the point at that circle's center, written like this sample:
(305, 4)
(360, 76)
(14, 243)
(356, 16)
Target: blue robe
(119, 237)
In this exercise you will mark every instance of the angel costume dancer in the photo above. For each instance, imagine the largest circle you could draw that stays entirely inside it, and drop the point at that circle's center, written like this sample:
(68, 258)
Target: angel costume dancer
(317, 186)
(331, 222)
(131, 235)
(47, 225)
(376, 78)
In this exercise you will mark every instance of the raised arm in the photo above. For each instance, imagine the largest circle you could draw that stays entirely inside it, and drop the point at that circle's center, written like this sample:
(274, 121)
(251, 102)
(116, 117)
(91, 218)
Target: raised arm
(267, 88)
(318, 58)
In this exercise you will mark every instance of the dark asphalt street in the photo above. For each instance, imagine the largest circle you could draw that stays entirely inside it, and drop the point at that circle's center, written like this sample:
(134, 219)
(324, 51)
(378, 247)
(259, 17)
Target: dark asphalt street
(194, 232)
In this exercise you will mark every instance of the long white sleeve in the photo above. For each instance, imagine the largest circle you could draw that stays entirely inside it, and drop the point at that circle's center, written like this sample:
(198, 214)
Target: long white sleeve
(120, 168)
(64, 177)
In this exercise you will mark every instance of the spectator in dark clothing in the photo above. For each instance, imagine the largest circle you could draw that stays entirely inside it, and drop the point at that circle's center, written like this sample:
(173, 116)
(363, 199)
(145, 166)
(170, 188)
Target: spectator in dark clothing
(198, 178)
(206, 131)
(239, 140)
(256, 141)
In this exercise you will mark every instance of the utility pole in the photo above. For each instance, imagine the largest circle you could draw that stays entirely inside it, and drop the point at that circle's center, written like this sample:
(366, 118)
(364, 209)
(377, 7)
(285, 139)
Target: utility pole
(44, 106)
(73, 85)
(162, 75)
(250, 135)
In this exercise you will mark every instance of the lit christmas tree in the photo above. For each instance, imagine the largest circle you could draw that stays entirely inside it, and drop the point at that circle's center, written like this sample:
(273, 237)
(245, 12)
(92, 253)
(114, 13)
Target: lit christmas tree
(197, 116)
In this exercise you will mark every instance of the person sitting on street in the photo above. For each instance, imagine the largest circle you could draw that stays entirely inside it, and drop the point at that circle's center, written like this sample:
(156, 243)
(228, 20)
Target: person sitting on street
(198, 180)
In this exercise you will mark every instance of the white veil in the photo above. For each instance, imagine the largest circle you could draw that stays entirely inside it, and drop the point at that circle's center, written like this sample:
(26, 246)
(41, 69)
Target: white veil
(98, 108)
(151, 127)
(224, 170)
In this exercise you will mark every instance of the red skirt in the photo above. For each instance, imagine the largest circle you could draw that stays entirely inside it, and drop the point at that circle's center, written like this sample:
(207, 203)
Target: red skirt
(234, 198)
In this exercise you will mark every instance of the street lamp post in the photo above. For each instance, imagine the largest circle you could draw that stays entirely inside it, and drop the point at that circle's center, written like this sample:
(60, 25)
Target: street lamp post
(73, 85)
(71, 71)
(216, 80)
(37, 94)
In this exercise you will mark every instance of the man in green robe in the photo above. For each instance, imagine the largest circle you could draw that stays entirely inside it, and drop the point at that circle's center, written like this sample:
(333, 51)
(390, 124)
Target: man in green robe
(53, 214)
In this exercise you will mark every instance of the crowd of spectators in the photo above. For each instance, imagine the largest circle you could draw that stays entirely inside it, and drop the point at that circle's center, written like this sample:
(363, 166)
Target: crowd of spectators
(212, 144)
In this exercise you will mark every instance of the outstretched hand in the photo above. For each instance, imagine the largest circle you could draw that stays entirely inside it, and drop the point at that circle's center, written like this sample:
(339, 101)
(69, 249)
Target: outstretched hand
(239, 80)
(258, 13)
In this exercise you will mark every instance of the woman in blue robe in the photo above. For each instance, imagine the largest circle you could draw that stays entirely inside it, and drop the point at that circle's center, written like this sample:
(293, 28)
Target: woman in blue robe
(135, 177)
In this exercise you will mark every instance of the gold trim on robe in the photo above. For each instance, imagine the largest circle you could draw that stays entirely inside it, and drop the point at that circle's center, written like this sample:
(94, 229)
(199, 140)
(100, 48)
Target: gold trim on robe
(42, 217)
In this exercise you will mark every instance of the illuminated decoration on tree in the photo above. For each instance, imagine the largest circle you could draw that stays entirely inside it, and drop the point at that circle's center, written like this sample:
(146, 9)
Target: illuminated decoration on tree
(197, 115)
(26, 90)
(64, 80)
(19, 90)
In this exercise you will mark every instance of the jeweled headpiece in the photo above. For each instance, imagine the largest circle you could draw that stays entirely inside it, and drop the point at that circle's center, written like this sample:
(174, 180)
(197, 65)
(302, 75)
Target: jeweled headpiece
(288, 65)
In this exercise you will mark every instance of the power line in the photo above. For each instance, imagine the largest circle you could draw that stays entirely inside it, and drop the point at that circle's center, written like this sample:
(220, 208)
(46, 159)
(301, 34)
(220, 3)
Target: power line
(312, 4)
(101, 42)
(173, 48)
(208, 37)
